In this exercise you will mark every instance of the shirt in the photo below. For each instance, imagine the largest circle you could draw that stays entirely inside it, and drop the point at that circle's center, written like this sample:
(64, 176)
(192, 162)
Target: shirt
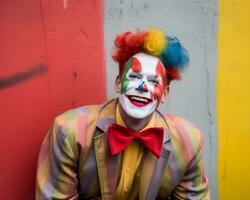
(130, 165)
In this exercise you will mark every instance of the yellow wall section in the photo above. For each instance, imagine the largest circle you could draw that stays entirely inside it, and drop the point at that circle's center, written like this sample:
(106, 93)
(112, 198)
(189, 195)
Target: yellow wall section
(233, 99)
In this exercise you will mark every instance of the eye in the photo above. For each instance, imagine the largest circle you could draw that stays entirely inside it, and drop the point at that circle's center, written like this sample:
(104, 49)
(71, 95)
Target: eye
(154, 81)
(134, 76)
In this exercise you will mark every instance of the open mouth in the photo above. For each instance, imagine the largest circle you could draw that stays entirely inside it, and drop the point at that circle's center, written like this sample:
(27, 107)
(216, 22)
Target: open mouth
(139, 101)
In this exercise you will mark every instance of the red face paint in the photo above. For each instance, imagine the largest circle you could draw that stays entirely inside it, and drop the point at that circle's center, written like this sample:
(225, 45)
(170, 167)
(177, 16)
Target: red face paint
(158, 90)
(145, 88)
(160, 70)
(136, 65)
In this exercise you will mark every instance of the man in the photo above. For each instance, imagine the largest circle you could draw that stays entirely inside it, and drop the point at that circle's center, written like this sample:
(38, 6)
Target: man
(125, 148)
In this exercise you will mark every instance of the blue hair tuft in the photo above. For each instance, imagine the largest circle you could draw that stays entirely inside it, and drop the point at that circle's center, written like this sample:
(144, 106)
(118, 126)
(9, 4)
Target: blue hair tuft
(175, 56)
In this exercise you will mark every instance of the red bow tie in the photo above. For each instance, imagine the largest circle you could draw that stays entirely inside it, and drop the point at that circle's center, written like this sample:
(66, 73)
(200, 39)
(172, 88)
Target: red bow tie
(120, 137)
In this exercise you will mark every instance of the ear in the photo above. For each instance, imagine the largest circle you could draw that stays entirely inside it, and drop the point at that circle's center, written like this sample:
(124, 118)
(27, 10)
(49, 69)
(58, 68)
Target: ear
(165, 94)
(117, 86)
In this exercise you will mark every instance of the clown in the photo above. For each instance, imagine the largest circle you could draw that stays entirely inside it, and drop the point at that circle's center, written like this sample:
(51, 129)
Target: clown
(126, 149)
(148, 62)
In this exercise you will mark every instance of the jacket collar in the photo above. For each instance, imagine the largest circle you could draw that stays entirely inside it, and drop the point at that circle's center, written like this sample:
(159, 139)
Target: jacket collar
(108, 165)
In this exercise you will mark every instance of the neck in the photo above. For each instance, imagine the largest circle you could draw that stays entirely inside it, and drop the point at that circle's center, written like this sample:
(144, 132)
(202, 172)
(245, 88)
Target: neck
(134, 123)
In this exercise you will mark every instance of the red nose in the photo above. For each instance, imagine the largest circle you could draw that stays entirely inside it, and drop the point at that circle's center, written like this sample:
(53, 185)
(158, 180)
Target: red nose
(145, 88)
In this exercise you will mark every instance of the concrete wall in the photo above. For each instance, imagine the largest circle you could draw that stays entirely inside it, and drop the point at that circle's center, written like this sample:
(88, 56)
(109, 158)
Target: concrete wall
(194, 22)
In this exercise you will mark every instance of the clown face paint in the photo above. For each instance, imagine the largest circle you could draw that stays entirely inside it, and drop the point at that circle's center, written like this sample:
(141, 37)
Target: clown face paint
(142, 85)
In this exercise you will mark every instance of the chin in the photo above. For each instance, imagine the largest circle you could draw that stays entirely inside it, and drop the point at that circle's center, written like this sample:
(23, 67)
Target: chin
(135, 109)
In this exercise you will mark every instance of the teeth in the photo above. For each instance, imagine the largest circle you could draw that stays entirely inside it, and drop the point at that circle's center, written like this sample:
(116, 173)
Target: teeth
(139, 99)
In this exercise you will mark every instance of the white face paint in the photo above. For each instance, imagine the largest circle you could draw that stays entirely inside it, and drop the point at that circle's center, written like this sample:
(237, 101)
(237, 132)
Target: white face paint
(142, 85)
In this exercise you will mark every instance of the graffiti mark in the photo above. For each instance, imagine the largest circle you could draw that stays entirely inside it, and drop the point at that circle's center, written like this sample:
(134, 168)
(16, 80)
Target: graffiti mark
(75, 74)
(22, 76)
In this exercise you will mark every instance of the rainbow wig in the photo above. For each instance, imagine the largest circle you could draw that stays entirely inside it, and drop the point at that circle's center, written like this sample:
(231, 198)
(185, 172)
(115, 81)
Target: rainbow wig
(153, 42)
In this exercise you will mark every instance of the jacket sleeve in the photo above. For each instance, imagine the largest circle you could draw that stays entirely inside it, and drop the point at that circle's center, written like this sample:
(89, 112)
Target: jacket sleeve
(194, 184)
(57, 165)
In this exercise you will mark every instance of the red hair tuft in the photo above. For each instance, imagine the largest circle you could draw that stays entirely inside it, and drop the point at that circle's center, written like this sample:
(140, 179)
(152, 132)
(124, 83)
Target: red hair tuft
(173, 74)
(126, 45)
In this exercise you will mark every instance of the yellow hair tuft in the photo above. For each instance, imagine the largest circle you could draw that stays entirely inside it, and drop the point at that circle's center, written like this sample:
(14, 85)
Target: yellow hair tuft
(155, 42)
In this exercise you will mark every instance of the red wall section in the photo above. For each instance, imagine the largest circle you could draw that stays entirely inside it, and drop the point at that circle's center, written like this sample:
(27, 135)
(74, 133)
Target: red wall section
(51, 59)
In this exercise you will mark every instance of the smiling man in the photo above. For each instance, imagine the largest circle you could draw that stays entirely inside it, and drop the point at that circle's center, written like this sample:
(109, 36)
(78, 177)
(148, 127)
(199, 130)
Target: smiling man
(125, 148)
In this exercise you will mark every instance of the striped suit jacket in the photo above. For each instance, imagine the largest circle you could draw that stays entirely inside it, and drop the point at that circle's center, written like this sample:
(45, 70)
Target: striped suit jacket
(75, 160)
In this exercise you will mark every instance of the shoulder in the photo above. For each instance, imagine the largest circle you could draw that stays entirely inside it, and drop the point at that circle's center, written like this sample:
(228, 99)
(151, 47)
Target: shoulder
(77, 125)
(83, 113)
(186, 152)
(184, 133)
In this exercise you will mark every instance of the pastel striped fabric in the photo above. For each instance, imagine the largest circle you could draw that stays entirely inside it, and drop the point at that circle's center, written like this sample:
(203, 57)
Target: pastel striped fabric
(75, 160)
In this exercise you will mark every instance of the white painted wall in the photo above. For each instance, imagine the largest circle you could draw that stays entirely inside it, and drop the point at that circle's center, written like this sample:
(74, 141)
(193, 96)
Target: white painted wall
(194, 22)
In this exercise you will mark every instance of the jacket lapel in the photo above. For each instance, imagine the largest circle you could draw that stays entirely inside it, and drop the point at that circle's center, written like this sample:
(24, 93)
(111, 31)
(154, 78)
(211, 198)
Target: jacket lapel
(160, 164)
(107, 164)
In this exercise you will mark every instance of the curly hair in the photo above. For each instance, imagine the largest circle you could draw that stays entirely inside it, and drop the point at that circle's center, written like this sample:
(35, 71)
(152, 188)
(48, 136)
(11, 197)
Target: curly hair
(153, 42)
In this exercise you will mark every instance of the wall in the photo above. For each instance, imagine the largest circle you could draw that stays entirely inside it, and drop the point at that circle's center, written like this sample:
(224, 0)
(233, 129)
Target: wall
(51, 52)
(48, 61)
(195, 24)
(233, 99)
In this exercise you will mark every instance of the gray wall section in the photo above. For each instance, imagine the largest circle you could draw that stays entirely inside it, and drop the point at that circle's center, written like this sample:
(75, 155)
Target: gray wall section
(194, 22)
